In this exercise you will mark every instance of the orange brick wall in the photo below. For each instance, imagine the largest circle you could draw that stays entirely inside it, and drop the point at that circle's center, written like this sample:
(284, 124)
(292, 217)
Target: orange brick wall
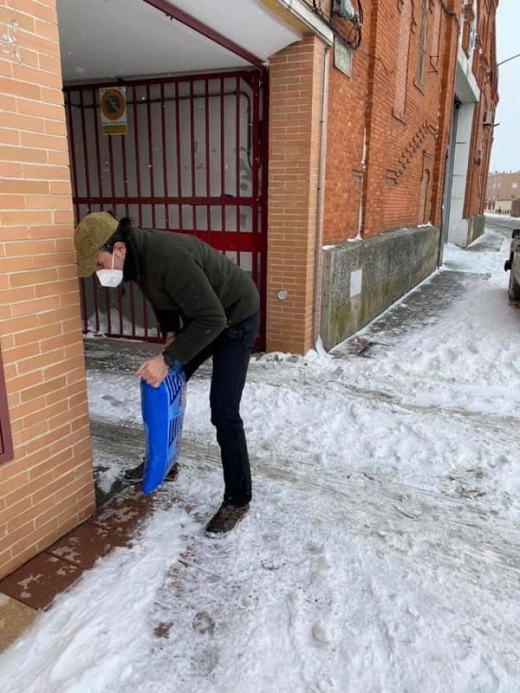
(401, 150)
(399, 147)
(345, 138)
(48, 487)
(484, 59)
(295, 82)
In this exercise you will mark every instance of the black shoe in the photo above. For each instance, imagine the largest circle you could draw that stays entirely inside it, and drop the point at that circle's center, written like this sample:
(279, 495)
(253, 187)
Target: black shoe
(136, 474)
(226, 517)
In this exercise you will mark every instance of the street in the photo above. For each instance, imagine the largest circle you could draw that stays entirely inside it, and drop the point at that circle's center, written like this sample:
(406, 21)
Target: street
(501, 224)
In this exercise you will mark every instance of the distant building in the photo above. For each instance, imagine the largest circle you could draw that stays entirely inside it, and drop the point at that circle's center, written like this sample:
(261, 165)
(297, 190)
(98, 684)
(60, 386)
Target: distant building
(503, 189)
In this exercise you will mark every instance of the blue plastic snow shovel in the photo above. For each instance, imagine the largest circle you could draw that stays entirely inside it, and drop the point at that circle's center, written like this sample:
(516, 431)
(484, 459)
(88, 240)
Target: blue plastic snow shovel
(163, 414)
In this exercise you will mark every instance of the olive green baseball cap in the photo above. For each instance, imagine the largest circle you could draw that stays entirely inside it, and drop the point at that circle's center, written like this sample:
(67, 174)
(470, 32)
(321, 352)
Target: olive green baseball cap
(90, 235)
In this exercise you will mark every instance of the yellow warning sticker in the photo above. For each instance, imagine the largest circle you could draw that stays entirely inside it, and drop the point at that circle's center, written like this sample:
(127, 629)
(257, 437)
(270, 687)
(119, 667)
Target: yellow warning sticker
(112, 102)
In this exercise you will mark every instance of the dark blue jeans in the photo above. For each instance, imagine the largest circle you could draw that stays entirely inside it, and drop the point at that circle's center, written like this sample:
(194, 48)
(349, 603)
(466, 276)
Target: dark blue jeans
(231, 351)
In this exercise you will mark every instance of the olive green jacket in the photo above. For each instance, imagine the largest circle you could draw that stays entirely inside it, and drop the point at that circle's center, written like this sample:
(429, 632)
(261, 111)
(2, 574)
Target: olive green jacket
(191, 285)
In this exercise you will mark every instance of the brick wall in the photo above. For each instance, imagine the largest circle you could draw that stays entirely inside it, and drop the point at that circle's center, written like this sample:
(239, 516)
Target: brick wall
(484, 60)
(47, 487)
(294, 142)
(401, 156)
(386, 145)
(503, 186)
(406, 134)
(345, 139)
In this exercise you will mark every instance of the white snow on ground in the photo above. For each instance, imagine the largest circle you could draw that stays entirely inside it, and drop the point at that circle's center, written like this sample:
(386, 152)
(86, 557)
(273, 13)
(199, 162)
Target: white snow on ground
(381, 554)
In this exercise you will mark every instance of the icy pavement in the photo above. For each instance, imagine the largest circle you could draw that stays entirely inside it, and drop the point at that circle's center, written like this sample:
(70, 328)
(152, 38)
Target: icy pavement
(382, 551)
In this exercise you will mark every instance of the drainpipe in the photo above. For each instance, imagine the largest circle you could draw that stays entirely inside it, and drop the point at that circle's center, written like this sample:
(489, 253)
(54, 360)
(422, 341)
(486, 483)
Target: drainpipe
(318, 252)
(361, 216)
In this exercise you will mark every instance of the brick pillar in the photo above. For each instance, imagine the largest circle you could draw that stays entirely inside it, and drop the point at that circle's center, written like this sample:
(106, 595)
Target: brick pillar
(295, 84)
(47, 488)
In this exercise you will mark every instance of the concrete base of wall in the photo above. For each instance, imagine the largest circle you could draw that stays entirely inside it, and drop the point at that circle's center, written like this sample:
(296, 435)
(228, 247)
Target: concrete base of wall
(476, 227)
(467, 231)
(363, 278)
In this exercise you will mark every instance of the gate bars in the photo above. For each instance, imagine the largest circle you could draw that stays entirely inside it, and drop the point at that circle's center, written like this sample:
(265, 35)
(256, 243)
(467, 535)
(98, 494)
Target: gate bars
(193, 161)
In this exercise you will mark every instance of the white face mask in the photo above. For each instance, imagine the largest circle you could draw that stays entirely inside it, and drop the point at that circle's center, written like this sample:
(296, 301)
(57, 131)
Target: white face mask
(110, 277)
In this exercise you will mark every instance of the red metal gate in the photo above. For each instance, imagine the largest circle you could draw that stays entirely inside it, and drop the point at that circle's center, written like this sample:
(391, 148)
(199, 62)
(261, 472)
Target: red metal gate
(192, 161)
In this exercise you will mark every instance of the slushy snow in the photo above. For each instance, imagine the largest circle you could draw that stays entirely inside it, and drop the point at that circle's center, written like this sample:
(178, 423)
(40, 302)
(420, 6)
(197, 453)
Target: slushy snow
(381, 553)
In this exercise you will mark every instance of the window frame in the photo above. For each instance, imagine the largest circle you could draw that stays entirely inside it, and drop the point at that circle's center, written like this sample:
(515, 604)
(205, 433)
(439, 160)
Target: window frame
(422, 44)
(405, 8)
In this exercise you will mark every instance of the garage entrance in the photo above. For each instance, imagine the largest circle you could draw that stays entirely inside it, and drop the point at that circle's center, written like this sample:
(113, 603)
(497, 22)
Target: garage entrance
(186, 86)
(190, 160)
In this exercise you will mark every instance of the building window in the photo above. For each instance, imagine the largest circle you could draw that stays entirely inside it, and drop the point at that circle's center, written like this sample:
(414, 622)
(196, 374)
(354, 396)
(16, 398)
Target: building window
(6, 448)
(401, 78)
(423, 36)
(436, 38)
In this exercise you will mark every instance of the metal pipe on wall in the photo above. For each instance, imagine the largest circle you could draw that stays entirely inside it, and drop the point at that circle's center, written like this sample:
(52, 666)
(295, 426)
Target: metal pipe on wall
(322, 152)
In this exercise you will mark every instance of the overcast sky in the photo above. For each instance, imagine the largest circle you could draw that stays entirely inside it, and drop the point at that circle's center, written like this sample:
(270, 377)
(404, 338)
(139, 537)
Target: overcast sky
(505, 155)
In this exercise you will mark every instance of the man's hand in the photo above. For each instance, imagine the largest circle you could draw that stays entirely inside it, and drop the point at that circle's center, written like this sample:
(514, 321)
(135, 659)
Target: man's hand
(169, 339)
(153, 370)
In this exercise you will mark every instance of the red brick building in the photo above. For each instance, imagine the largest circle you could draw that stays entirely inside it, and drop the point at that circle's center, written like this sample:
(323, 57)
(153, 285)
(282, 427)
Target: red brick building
(503, 192)
(409, 139)
(315, 142)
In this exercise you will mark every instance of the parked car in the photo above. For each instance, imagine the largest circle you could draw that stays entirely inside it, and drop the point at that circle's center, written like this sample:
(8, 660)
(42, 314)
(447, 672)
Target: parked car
(513, 265)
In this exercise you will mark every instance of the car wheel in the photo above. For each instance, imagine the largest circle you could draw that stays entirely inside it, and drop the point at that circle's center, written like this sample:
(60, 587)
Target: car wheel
(514, 288)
